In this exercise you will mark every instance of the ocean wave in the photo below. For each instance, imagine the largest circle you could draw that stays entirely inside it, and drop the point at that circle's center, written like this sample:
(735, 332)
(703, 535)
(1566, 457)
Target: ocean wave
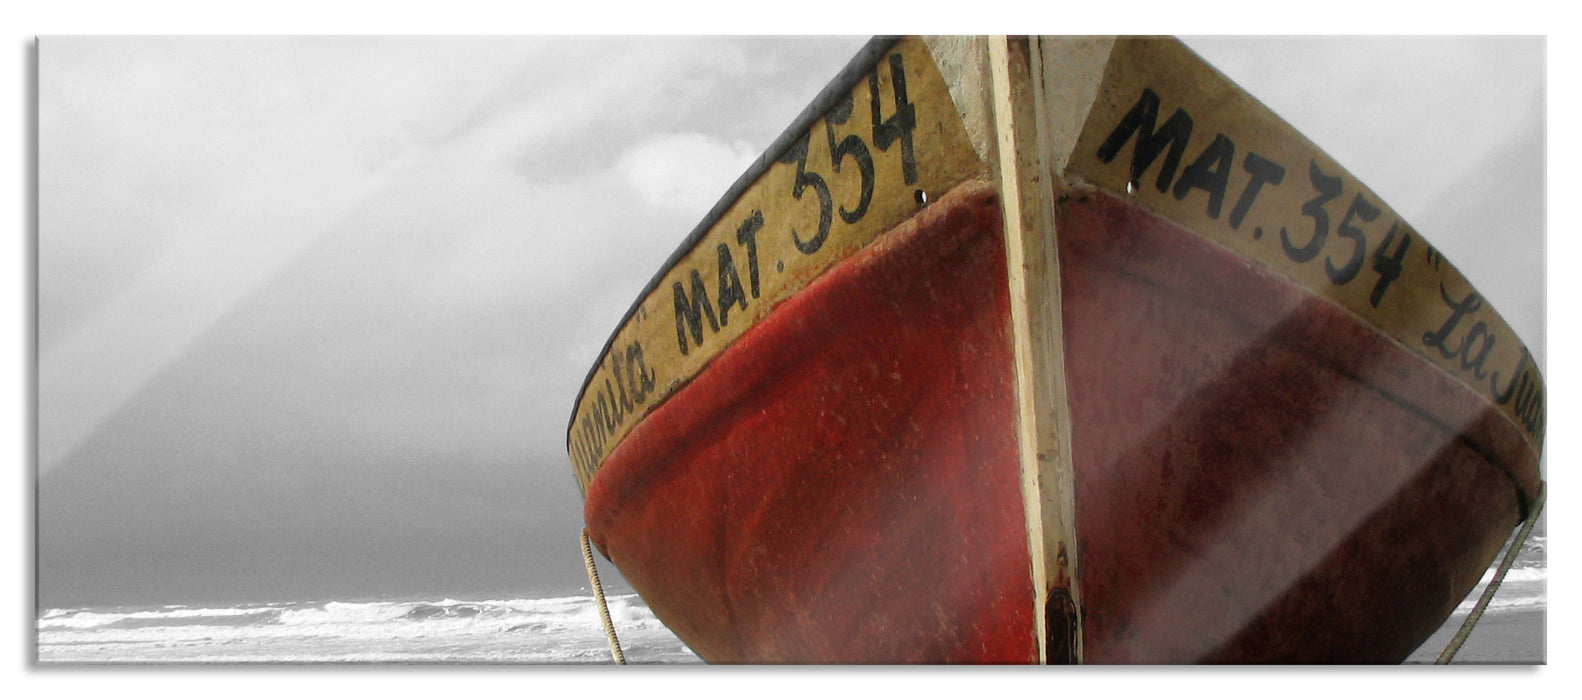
(1504, 603)
(1525, 574)
(352, 620)
(59, 618)
(574, 610)
(1524, 587)
(335, 612)
(546, 630)
(525, 630)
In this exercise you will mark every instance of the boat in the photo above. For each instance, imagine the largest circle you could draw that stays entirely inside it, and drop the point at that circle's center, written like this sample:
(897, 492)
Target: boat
(1054, 350)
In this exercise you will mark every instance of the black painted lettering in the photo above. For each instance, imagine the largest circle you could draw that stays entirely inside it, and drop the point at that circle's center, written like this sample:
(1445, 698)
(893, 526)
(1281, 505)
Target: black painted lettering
(690, 312)
(1389, 265)
(601, 413)
(1524, 396)
(613, 415)
(1262, 171)
(1361, 209)
(747, 235)
(1504, 397)
(620, 383)
(587, 430)
(1530, 408)
(639, 377)
(1175, 133)
(1328, 187)
(1210, 173)
(853, 148)
(1474, 362)
(595, 428)
(585, 458)
(1458, 311)
(579, 452)
(805, 179)
(731, 293)
(899, 126)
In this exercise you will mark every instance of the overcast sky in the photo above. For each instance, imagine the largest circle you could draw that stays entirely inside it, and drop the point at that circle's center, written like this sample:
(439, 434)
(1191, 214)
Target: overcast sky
(312, 312)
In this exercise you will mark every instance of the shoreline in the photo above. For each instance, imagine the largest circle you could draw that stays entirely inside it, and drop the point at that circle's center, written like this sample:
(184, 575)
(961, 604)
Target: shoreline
(1507, 637)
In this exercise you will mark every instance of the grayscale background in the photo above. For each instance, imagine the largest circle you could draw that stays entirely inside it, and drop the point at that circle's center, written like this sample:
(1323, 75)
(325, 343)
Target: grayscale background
(312, 312)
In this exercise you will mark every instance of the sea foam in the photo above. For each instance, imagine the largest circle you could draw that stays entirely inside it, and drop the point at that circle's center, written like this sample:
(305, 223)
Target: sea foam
(532, 630)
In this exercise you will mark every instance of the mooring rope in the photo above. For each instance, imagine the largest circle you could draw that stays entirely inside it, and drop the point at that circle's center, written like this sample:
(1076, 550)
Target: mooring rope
(1494, 583)
(598, 597)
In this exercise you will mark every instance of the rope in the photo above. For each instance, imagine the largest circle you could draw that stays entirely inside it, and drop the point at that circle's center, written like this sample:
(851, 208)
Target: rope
(598, 597)
(1494, 584)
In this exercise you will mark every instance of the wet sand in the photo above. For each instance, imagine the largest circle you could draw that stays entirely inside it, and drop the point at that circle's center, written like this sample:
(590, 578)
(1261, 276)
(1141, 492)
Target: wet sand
(1514, 637)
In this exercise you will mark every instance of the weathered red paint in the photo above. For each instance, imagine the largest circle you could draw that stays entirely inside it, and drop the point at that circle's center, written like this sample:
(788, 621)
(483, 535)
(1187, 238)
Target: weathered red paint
(840, 485)
(1260, 476)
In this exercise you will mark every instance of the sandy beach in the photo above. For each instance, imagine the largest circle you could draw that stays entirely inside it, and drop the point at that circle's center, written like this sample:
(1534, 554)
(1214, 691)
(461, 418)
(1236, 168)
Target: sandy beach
(1507, 637)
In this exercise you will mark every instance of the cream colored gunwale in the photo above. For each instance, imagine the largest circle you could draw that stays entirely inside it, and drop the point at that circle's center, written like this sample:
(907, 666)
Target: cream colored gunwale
(760, 244)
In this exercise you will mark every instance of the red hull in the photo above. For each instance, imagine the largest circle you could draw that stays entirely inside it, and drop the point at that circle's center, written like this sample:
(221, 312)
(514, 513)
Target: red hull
(840, 485)
(1259, 475)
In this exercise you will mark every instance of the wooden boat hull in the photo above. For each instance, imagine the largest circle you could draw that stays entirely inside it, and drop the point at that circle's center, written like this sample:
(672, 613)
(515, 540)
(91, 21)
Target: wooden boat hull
(1024, 419)
(813, 501)
(1262, 477)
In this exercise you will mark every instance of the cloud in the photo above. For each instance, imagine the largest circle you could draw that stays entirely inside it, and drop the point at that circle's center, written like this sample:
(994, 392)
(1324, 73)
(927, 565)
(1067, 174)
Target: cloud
(148, 142)
(280, 329)
(353, 267)
(685, 172)
(179, 176)
(1406, 115)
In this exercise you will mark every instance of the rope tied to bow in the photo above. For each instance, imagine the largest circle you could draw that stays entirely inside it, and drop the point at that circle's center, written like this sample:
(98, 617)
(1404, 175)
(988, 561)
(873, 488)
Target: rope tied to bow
(598, 597)
(1494, 583)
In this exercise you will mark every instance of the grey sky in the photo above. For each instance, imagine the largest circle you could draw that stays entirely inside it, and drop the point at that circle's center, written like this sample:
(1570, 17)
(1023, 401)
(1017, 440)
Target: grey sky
(312, 312)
